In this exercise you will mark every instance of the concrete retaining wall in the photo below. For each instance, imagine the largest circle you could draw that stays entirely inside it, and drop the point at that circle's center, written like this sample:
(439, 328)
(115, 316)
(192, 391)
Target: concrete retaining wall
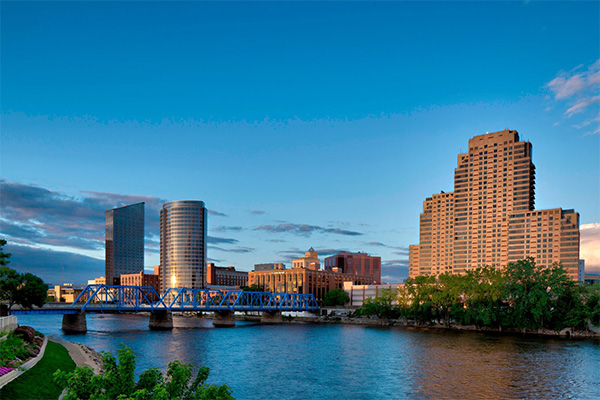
(15, 373)
(8, 324)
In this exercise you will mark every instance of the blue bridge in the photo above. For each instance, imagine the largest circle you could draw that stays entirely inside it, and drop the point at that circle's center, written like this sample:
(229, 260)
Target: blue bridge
(136, 299)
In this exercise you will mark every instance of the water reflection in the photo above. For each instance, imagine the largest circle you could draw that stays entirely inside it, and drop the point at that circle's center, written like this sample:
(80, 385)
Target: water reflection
(353, 362)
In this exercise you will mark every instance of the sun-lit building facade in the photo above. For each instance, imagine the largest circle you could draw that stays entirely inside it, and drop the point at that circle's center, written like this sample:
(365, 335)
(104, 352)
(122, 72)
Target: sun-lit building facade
(304, 277)
(489, 219)
(183, 244)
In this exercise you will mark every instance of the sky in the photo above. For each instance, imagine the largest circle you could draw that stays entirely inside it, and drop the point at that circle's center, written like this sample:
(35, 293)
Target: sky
(299, 124)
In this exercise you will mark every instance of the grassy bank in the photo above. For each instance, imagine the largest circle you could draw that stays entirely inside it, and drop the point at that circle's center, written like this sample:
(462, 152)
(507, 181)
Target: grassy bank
(37, 383)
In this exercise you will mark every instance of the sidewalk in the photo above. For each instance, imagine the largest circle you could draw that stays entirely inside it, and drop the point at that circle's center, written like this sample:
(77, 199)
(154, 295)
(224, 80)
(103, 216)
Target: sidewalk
(82, 355)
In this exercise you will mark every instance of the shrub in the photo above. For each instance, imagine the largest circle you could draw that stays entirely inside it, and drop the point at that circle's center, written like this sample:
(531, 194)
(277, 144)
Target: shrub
(336, 297)
(118, 381)
(11, 348)
(26, 333)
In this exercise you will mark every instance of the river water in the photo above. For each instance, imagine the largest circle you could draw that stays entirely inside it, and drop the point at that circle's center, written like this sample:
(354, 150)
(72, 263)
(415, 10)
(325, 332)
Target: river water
(302, 361)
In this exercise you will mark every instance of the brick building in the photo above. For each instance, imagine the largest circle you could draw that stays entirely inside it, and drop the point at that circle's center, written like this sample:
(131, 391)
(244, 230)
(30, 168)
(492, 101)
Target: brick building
(225, 276)
(304, 277)
(360, 264)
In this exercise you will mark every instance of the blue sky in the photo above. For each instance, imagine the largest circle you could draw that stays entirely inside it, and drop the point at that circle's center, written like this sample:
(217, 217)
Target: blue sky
(298, 123)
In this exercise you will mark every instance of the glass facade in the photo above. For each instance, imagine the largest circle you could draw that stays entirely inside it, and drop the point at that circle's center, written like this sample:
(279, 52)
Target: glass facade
(183, 245)
(124, 238)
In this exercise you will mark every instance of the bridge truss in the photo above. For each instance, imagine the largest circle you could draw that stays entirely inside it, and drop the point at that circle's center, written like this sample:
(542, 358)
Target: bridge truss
(116, 298)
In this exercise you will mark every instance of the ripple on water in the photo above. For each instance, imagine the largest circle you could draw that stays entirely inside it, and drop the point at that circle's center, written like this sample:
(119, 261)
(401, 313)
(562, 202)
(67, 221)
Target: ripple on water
(353, 362)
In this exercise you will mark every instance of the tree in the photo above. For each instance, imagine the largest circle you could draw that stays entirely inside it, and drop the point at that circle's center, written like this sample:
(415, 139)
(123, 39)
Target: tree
(3, 256)
(253, 288)
(382, 305)
(118, 381)
(25, 289)
(336, 297)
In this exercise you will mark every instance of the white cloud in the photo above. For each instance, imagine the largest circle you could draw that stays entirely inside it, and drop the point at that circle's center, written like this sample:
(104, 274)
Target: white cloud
(590, 246)
(581, 105)
(577, 90)
(564, 88)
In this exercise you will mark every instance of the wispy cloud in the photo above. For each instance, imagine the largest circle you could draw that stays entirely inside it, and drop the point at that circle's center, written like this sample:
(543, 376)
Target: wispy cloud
(50, 265)
(220, 240)
(305, 230)
(33, 215)
(375, 244)
(394, 271)
(217, 213)
(232, 250)
(577, 90)
(581, 105)
(227, 229)
(256, 212)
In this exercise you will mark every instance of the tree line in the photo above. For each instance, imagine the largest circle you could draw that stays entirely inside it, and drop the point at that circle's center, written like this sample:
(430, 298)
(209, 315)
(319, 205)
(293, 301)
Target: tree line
(521, 296)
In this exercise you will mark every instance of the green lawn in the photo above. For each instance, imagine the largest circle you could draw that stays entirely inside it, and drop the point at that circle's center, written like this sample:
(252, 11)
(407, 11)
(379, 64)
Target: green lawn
(37, 382)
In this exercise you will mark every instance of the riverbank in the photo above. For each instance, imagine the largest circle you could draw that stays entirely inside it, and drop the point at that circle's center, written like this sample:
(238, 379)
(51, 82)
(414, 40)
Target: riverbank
(38, 382)
(374, 321)
(82, 355)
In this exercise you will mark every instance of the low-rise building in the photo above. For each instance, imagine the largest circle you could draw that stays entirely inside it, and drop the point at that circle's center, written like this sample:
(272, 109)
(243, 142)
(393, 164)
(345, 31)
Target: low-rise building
(225, 276)
(304, 277)
(360, 264)
(592, 279)
(268, 266)
(359, 293)
(141, 279)
(66, 293)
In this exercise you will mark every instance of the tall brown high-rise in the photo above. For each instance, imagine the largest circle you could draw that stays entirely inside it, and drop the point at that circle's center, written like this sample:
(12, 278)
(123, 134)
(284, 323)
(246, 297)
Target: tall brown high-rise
(489, 219)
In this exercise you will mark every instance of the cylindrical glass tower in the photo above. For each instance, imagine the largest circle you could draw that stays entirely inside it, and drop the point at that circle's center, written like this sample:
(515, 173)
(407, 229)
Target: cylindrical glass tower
(183, 245)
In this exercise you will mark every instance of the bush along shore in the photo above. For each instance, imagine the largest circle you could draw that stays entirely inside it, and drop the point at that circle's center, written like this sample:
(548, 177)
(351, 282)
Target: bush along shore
(520, 298)
(21, 345)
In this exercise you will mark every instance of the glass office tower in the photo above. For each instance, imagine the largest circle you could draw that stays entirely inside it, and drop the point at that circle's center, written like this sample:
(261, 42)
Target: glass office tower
(183, 245)
(124, 242)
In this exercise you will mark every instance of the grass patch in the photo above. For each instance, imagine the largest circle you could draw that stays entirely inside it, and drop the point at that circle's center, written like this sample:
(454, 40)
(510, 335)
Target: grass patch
(37, 383)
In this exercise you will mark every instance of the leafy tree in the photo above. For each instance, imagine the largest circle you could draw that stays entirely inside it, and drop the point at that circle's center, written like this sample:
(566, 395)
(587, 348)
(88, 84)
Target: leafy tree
(24, 289)
(3, 256)
(592, 304)
(253, 288)
(118, 382)
(382, 305)
(336, 297)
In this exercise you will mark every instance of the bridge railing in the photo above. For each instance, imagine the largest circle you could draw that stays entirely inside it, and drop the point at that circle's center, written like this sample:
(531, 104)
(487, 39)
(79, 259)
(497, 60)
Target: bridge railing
(99, 298)
(123, 298)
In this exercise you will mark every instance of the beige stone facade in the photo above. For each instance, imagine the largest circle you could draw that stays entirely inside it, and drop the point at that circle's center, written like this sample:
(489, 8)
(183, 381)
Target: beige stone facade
(489, 219)
(304, 277)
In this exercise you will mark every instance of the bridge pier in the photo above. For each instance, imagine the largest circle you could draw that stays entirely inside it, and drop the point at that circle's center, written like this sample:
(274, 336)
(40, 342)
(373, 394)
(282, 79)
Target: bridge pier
(161, 320)
(74, 323)
(271, 317)
(224, 319)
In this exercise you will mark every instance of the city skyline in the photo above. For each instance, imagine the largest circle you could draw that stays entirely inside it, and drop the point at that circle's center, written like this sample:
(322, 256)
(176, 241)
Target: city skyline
(297, 124)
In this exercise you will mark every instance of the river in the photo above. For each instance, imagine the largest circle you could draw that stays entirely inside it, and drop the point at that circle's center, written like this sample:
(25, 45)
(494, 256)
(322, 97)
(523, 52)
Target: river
(302, 361)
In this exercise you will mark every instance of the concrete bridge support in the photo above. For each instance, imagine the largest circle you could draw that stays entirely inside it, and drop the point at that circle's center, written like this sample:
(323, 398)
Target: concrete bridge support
(271, 317)
(161, 320)
(74, 323)
(224, 319)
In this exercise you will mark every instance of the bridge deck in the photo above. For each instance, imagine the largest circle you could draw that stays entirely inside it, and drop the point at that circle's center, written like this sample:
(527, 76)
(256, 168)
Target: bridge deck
(120, 299)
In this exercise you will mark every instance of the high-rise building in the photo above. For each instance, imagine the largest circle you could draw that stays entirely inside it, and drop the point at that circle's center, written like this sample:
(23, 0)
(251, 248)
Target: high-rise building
(124, 239)
(183, 245)
(490, 219)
